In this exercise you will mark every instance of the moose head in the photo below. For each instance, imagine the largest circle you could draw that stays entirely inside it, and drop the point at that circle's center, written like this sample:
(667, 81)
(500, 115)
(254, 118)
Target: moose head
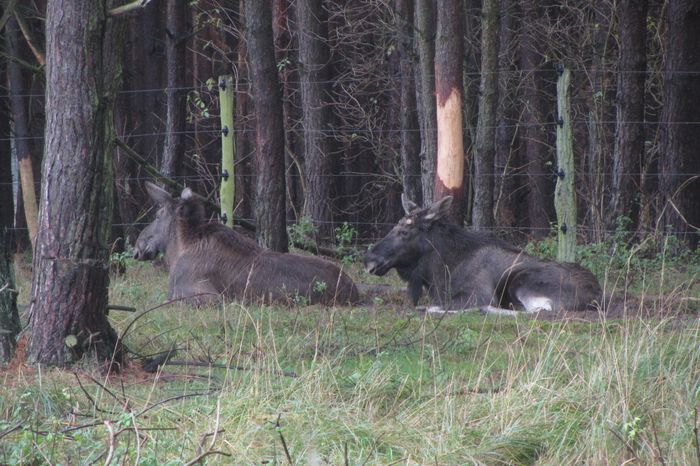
(408, 240)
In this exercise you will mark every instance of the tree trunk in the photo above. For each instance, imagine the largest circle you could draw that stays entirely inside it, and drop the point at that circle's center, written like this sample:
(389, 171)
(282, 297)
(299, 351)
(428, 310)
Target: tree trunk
(135, 112)
(680, 118)
(534, 147)
(18, 104)
(286, 55)
(9, 318)
(313, 73)
(175, 53)
(425, 82)
(269, 136)
(245, 191)
(449, 179)
(408, 116)
(629, 138)
(470, 89)
(482, 211)
(505, 154)
(71, 266)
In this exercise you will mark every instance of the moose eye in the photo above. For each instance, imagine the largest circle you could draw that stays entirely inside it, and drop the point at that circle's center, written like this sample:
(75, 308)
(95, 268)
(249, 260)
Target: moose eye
(403, 234)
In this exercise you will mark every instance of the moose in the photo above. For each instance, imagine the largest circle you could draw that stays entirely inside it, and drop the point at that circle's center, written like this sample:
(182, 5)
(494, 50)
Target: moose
(206, 259)
(463, 269)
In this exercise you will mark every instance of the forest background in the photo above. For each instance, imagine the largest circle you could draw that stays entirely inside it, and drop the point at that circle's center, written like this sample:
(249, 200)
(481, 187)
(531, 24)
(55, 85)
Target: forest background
(356, 88)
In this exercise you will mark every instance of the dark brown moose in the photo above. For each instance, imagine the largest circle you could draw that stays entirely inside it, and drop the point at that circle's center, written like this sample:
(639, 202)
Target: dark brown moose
(463, 269)
(206, 259)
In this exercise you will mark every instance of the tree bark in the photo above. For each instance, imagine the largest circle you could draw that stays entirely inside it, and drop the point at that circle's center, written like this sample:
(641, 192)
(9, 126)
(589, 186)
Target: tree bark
(629, 138)
(269, 137)
(680, 122)
(136, 110)
(408, 116)
(68, 314)
(245, 190)
(506, 150)
(534, 147)
(9, 318)
(313, 73)
(449, 178)
(18, 104)
(425, 82)
(482, 210)
(175, 53)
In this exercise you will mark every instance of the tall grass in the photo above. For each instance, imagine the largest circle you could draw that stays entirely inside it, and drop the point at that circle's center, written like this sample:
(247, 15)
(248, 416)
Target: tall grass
(368, 385)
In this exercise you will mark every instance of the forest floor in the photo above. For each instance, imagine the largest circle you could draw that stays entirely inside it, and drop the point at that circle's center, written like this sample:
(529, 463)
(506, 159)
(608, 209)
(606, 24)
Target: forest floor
(379, 383)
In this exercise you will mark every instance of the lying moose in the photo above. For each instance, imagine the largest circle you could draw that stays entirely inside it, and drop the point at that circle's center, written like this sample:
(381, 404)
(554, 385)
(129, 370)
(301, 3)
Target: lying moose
(207, 259)
(461, 269)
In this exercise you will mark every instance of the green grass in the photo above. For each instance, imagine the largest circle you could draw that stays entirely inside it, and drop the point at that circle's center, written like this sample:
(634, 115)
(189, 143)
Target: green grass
(377, 384)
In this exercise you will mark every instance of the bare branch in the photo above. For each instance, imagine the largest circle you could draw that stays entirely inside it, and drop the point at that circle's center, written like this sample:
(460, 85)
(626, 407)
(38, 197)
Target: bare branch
(129, 7)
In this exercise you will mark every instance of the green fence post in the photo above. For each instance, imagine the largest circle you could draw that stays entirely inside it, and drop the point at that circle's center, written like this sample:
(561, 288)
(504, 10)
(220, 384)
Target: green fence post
(228, 149)
(565, 194)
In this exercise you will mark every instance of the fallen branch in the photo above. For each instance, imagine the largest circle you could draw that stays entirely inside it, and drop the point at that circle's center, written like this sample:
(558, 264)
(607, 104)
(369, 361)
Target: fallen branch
(110, 451)
(278, 428)
(695, 433)
(206, 453)
(224, 366)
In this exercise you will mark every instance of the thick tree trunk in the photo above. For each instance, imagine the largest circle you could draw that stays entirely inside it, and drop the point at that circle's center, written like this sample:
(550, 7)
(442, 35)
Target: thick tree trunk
(408, 116)
(9, 319)
(482, 210)
(449, 178)
(680, 122)
(71, 277)
(270, 185)
(313, 72)
(629, 138)
(425, 83)
(175, 53)
(18, 104)
(534, 146)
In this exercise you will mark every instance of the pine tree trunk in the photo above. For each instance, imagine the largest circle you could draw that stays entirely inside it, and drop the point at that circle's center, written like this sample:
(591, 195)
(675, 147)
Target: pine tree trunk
(9, 319)
(449, 178)
(18, 104)
(629, 138)
(680, 120)
(534, 146)
(408, 115)
(425, 82)
(71, 277)
(482, 210)
(270, 211)
(313, 73)
(175, 53)
(506, 147)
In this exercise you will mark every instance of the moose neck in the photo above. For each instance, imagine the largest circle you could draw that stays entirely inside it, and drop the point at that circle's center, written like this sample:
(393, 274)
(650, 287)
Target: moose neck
(452, 241)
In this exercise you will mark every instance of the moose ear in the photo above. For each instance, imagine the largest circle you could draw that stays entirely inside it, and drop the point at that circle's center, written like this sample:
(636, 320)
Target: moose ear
(158, 194)
(438, 210)
(408, 205)
(187, 194)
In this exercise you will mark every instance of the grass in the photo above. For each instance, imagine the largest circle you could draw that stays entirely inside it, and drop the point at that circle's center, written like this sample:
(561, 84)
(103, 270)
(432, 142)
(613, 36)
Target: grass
(375, 384)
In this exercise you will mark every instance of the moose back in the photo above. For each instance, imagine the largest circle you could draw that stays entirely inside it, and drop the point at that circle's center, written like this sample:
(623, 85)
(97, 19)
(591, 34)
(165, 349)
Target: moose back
(460, 269)
(206, 259)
